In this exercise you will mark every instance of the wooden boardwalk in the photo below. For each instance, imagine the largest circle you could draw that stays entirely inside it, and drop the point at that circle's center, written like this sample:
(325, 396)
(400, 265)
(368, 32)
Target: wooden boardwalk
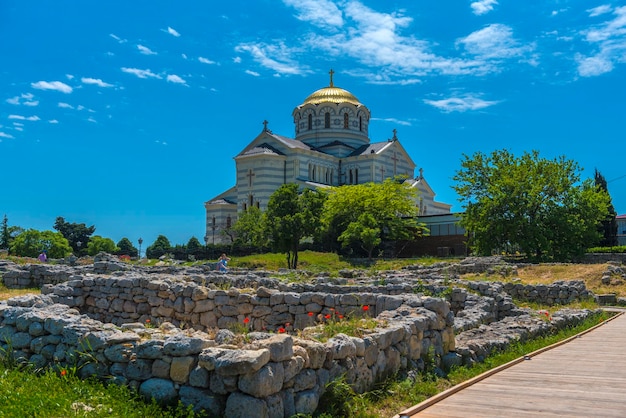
(584, 377)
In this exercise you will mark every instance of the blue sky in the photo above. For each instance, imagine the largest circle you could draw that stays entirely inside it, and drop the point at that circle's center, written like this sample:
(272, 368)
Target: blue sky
(127, 115)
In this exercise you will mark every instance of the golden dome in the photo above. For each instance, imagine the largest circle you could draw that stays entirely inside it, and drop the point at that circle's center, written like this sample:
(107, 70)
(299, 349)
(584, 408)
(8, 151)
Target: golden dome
(332, 94)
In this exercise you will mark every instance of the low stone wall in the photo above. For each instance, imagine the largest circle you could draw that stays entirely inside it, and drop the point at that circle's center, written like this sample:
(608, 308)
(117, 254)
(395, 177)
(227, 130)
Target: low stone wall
(599, 258)
(270, 375)
(557, 293)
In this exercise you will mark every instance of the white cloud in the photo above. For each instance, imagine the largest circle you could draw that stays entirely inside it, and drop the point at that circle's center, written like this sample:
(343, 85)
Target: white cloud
(145, 50)
(173, 78)
(481, 7)
(25, 99)
(141, 73)
(160, 142)
(321, 13)
(53, 121)
(184, 56)
(460, 104)
(5, 135)
(52, 85)
(117, 38)
(237, 60)
(592, 66)
(205, 60)
(96, 81)
(600, 10)
(172, 32)
(394, 121)
(252, 73)
(92, 120)
(69, 76)
(65, 105)
(375, 40)
(33, 118)
(494, 41)
(609, 41)
(276, 56)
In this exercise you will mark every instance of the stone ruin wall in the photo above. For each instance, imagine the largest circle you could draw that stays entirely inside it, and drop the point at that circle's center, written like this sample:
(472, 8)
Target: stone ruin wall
(274, 375)
(102, 309)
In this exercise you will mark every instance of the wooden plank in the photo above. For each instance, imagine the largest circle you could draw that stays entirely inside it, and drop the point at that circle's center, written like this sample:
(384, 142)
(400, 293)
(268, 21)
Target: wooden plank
(586, 377)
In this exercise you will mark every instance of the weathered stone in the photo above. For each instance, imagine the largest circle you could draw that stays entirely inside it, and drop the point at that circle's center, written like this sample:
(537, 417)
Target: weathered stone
(202, 400)
(234, 362)
(239, 405)
(306, 402)
(280, 347)
(181, 367)
(161, 390)
(266, 381)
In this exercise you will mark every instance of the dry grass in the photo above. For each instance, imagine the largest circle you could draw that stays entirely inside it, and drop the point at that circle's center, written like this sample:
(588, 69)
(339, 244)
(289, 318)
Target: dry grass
(591, 274)
(11, 293)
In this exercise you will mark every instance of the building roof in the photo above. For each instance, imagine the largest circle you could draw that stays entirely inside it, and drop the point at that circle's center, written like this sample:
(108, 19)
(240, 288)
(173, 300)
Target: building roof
(372, 148)
(263, 148)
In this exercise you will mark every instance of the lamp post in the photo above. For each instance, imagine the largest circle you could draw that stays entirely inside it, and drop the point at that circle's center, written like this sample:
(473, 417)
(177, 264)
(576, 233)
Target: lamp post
(140, 241)
(206, 246)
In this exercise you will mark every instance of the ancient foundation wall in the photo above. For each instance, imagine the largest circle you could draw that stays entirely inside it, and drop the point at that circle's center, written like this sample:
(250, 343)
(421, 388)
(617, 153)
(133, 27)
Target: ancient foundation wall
(169, 339)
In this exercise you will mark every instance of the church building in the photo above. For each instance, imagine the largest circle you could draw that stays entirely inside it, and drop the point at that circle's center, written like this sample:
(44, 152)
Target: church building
(331, 148)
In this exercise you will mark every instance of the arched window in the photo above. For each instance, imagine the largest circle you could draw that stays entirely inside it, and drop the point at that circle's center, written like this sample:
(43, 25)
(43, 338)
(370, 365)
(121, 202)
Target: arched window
(258, 204)
(327, 120)
(228, 222)
(310, 121)
(350, 177)
(213, 223)
(244, 206)
(346, 120)
(251, 200)
(356, 176)
(361, 123)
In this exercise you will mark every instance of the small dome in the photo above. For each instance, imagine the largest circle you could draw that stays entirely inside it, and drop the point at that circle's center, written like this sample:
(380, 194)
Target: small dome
(332, 94)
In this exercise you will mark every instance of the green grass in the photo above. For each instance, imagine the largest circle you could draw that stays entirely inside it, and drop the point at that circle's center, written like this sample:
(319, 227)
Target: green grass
(394, 395)
(317, 262)
(24, 393)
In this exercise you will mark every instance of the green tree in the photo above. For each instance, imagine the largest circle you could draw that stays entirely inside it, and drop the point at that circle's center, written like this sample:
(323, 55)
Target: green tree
(98, 244)
(608, 227)
(76, 234)
(537, 205)
(32, 242)
(366, 214)
(126, 248)
(250, 229)
(292, 217)
(159, 247)
(194, 248)
(5, 236)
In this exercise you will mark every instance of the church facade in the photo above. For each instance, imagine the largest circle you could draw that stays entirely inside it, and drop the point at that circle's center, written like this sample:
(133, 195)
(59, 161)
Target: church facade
(331, 148)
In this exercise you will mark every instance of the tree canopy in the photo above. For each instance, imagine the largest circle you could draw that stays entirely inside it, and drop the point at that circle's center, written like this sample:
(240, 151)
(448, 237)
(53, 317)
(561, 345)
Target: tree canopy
(159, 247)
(97, 244)
(291, 217)
(365, 214)
(531, 204)
(76, 234)
(32, 242)
(608, 226)
(250, 228)
(126, 248)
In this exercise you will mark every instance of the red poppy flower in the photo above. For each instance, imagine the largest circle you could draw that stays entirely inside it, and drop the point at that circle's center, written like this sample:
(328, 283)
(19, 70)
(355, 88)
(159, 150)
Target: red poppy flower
(327, 316)
(366, 308)
(63, 372)
(340, 316)
(281, 330)
(332, 309)
(246, 320)
(147, 321)
(310, 313)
